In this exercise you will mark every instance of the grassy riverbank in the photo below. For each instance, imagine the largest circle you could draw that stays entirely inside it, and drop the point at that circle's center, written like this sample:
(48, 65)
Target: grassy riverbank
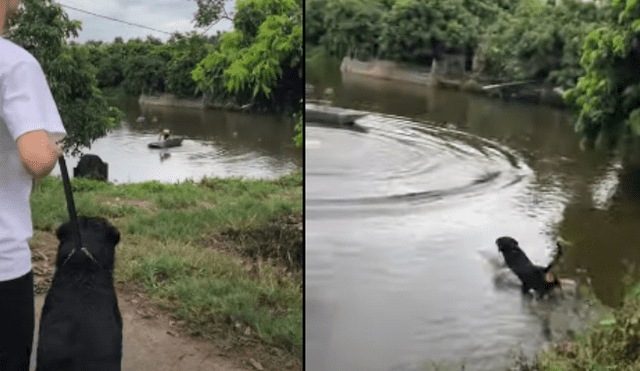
(613, 343)
(225, 255)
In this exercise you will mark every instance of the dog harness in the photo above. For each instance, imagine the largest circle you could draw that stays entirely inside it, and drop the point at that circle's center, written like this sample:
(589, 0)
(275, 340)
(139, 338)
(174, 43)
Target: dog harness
(84, 250)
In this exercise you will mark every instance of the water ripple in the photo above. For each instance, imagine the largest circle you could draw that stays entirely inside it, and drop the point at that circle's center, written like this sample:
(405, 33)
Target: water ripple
(397, 161)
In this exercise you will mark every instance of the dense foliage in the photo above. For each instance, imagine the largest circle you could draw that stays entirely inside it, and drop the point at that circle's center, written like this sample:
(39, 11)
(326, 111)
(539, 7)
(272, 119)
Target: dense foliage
(41, 28)
(607, 97)
(149, 66)
(405, 30)
(145, 70)
(541, 41)
(415, 28)
(353, 27)
(298, 139)
(187, 52)
(590, 48)
(260, 62)
(513, 40)
(314, 26)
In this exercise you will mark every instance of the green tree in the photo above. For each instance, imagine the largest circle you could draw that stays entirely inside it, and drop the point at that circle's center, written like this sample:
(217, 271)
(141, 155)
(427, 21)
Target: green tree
(607, 97)
(488, 11)
(261, 61)
(351, 27)
(298, 139)
(210, 12)
(187, 52)
(314, 24)
(415, 28)
(42, 28)
(541, 40)
(145, 66)
(108, 59)
(355, 27)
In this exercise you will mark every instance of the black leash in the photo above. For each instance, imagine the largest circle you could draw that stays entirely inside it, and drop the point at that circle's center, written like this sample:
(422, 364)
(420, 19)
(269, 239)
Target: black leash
(70, 205)
(72, 215)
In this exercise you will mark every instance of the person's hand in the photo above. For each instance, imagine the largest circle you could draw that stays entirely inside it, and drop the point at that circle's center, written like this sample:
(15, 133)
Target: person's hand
(56, 142)
(39, 152)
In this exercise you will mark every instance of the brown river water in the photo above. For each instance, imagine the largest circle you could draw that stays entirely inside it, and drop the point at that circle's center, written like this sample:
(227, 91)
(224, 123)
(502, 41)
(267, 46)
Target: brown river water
(401, 219)
(218, 144)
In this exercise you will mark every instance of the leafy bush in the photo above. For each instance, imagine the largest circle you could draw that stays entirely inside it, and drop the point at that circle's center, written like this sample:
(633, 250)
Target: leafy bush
(261, 61)
(186, 53)
(607, 97)
(414, 29)
(298, 139)
(541, 41)
(314, 27)
(351, 27)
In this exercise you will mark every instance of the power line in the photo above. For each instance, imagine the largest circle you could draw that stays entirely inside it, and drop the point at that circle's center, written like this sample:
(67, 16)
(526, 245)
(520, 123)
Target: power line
(112, 19)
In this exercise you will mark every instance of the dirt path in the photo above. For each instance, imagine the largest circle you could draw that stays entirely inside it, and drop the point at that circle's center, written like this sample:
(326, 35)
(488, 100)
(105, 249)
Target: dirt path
(151, 342)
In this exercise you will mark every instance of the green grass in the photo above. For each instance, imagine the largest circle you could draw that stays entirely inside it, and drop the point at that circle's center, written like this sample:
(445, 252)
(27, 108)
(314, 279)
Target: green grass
(161, 225)
(175, 210)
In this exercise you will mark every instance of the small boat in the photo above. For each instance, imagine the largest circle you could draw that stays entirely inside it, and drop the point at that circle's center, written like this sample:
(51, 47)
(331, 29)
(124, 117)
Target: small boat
(168, 143)
(331, 115)
(141, 119)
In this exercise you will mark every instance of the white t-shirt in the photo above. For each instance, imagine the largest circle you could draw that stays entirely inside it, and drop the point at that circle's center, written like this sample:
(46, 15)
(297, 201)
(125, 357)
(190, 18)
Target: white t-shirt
(26, 104)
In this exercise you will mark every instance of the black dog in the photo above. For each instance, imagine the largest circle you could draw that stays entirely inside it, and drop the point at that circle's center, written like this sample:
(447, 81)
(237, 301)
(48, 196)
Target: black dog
(81, 326)
(92, 167)
(532, 276)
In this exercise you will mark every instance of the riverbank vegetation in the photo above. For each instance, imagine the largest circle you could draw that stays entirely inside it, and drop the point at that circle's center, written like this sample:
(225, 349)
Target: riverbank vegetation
(257, 65)
(611, 344)
(224, 255)
(588, 49)
(298, 139)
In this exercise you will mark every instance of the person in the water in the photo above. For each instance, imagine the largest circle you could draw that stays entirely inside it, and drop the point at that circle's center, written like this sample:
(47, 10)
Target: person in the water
(165, 134)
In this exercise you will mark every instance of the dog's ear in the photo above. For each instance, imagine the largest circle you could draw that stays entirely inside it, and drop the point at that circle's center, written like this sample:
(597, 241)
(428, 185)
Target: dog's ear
(113, 235)
(63, 232)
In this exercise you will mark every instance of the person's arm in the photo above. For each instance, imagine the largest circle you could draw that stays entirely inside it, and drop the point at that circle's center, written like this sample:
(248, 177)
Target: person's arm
(38, 153)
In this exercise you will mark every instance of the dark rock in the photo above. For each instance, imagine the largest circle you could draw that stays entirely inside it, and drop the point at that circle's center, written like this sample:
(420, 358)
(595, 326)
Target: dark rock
(92, 167)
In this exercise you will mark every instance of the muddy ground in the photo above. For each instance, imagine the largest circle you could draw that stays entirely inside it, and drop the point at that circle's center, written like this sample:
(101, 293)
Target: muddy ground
(153, 340)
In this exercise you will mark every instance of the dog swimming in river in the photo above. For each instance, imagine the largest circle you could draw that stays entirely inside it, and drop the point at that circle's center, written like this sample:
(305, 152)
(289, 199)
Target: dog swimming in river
(538, 278)
(81, 326)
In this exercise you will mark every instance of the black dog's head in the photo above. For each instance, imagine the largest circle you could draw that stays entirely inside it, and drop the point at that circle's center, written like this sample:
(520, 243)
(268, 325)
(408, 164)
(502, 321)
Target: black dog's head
(507, 244)
(98, 237)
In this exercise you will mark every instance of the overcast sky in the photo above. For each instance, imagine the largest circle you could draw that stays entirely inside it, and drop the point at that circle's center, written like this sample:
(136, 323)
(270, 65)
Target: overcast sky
(163, 15)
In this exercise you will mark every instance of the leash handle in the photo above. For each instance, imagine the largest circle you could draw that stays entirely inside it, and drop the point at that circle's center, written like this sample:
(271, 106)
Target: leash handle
(70, 205)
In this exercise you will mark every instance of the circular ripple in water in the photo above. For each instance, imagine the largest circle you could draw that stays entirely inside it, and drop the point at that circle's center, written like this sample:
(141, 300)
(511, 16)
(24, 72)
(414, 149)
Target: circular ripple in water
(396, 162)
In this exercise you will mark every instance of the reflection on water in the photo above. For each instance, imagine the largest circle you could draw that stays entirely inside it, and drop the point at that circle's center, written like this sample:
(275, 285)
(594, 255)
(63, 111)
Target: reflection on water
(219, 144)
(401, 220)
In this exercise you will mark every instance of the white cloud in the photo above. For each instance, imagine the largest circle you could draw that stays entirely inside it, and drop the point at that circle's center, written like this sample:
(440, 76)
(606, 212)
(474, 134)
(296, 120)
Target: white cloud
(163, 15)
